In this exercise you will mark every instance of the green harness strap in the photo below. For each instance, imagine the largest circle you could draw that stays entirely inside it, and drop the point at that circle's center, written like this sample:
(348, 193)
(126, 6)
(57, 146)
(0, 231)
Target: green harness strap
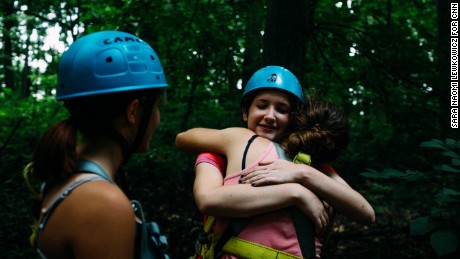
(304, 227)
(246, 249)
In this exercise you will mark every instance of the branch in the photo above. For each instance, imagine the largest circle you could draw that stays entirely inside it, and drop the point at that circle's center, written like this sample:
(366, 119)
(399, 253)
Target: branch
(10, 136)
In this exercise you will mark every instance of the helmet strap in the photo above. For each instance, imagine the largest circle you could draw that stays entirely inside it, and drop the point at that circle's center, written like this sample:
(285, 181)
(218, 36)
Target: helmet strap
(144, 124)
(128, 150)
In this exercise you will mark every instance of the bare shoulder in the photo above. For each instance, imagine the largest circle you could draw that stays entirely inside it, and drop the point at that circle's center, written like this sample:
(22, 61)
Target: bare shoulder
(95, 217)
(237, 134)
(107, 217)
(238, 130)
(101, 198)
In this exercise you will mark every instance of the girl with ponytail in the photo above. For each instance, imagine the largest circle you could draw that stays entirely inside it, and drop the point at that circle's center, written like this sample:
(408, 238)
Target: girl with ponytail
(110, 82)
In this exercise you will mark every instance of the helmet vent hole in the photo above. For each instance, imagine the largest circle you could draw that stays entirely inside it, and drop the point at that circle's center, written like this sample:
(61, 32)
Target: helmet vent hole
(152, 57)
(108, 60)
(62, 85)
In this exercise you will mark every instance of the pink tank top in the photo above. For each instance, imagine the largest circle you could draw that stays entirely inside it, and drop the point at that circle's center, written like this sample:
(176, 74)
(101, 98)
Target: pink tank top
(274, 229)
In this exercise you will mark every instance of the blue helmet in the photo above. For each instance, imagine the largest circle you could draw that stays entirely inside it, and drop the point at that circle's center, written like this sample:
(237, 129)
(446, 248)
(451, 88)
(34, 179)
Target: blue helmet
(108, 62)
(275, 77)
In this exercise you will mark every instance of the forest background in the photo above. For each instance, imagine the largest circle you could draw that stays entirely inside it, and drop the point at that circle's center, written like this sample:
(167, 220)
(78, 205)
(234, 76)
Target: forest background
(385, 62)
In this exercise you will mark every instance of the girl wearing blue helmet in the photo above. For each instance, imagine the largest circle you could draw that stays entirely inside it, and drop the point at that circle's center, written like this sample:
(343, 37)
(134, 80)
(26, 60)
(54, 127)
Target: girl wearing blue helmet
(110, 82)
(271, 99)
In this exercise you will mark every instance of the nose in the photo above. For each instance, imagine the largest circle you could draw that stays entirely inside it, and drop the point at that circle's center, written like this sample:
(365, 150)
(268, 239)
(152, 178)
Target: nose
(270, 115)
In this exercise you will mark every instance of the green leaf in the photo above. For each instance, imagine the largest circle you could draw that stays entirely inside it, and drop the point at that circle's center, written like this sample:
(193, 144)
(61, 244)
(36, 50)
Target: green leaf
(412, 176)
(444, 198)
(423, 225)
(452, 143)
(371, 173)
(434, 143)
(450, 191)
(439, 212)
(393, 173)
(450, 154)
(444, 241)
(456, 161)
(447, 168)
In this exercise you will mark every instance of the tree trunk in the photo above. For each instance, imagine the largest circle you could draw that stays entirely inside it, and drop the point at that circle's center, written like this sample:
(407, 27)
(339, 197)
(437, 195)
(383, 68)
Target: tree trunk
(253, 39)
(9, 22)
(286, 33)
(26, 82)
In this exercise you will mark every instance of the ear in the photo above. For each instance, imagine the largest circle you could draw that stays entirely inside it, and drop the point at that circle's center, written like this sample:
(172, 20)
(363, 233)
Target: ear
(245, 114)
(132, 111)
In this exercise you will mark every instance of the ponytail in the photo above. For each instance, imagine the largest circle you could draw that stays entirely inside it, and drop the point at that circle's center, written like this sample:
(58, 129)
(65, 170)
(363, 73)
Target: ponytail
(54, 156)
(320, 130)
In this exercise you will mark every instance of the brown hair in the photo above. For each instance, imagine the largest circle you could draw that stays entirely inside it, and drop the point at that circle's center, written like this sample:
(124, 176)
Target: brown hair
(54, 156)
(320, 130)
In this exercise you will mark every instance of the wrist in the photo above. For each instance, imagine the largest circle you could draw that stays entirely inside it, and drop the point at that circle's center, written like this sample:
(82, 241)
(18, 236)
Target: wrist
(296, 193)
(304, 174)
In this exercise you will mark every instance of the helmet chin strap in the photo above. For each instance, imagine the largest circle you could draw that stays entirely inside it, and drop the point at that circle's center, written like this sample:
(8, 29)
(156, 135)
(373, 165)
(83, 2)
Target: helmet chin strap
(127, 149)
(143, 125)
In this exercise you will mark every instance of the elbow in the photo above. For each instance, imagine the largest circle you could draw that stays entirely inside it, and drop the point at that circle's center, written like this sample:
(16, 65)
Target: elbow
(363, 215)
(180, 143)
(369, 217)
(202, 207)
(185, 141)
(204, 204)
(205, 209)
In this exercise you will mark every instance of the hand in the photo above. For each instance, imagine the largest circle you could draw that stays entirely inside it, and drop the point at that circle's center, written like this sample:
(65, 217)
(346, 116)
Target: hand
(272, 172)
(314, 208)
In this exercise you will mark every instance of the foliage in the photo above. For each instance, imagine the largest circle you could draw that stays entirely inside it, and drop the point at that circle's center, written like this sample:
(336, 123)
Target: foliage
(439, 218)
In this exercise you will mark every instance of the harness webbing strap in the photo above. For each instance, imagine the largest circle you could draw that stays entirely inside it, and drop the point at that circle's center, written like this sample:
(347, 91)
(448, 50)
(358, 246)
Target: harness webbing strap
(246, 249)
(304, 227)
(305, 231)
(92, 168)
(56, 202)
(210, 220)
(235, 226)
(302, 158)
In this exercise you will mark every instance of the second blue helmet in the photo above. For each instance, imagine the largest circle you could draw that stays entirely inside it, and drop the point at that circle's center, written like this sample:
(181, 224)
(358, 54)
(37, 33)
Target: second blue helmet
(275, 77)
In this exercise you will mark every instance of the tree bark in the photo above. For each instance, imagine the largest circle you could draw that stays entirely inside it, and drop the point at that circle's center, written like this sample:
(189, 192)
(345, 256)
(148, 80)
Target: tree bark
(288, 26)
(9, 22)
(253, 39)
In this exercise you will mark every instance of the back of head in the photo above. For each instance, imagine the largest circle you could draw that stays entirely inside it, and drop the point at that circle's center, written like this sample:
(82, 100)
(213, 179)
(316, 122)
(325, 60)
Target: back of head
(321, 130)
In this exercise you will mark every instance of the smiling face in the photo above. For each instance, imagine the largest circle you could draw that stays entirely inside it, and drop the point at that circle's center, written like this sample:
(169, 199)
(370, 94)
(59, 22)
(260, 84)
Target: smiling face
(268, 114)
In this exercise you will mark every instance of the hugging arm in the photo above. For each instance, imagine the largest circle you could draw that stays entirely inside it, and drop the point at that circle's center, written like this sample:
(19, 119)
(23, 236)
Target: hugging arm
(243, 200)
(334, 190)
(206, 140)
